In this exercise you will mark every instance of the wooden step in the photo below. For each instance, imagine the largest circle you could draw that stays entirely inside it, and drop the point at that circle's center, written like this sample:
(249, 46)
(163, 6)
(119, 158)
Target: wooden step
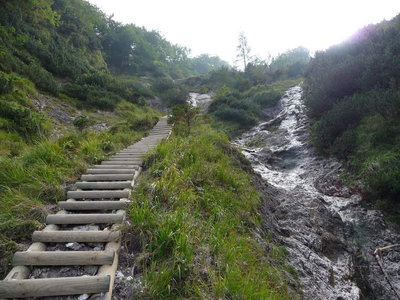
(118, 185)
(117, 194)
(63, 258)
(54, 286)
(84, 219)
(135, 156)
(93, 205)
(75, 236)
(122, 162)
(125, 157)
(135, 166)
(106, 177)
(111, 171)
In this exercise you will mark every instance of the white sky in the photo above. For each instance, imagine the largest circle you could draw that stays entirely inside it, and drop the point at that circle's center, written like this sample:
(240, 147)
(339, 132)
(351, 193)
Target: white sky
(272, 27)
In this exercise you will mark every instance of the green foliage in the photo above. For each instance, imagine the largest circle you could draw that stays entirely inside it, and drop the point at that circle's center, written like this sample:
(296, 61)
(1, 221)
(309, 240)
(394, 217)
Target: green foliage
(21, 119)
(82, 122)
(242, 110)
(367, 60)
(352, 91)
(183, 116)
(6, 83)
(382, 176)
(291, 64)
(195, 213)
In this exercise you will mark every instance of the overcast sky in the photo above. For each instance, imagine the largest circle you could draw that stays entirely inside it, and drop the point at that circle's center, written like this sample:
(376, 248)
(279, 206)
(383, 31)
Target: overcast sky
(272, 27)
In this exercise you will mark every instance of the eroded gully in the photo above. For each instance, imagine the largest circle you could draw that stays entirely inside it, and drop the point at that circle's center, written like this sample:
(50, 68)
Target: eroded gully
(329, 235)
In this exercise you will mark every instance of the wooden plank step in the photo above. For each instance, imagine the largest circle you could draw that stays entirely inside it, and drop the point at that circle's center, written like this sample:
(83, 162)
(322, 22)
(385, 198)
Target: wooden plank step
(98, 194)
(54, 286)
(75, 236)
(111, 171)
(128, 155)
(122, 162)
(63, 258)
(84, 219)
(107, 177)
(93, 205)
(135, 166)
(125, 156)
(118, 185)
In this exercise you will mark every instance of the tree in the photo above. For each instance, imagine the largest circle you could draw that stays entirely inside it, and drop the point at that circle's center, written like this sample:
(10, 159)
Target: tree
(183, 116)
(243, 50)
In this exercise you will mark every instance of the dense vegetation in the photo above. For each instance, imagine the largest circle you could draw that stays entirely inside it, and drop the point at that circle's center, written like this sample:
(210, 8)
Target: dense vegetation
(352, 90)
(98, 60)
(196, 213)
(241, 96)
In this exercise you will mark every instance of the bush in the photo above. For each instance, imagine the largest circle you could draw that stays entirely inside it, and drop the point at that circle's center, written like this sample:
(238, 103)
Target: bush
(6, 83)
(92, 96)
(42, 78)
(267, 98)
(382, 176)
(82, 122)
(21, 119)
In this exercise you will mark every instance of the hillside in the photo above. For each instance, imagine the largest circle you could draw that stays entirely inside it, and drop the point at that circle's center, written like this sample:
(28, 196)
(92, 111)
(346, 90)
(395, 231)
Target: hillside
(352, 92)
(74, 85)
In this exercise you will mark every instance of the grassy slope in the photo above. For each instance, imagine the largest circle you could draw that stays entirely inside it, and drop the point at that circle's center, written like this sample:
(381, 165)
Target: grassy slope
(34, 165)
(196, 212)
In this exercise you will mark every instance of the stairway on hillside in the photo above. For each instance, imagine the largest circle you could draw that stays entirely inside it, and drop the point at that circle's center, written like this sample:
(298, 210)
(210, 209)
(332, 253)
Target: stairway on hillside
(77, 251)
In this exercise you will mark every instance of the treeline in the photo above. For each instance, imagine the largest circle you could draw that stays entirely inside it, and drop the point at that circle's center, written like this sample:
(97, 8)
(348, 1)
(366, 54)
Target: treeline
(70, 47)
(241, 96)
(353, 92)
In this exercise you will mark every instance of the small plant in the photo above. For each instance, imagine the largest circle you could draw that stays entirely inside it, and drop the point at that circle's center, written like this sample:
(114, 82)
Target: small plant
(183, 116)
(82, 122)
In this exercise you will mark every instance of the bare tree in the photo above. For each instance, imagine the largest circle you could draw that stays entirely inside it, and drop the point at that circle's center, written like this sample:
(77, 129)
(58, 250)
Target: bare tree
(243, 50)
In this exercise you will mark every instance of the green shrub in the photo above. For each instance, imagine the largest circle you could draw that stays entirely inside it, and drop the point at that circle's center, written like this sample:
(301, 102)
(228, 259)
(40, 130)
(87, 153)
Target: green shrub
(20, 119)
(6, 83)
(42, 78)
(82, 122)
(382, 176)
(267, 98)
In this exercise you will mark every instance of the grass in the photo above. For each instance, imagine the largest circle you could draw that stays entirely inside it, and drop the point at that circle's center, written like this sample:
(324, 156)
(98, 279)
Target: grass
(196, 213)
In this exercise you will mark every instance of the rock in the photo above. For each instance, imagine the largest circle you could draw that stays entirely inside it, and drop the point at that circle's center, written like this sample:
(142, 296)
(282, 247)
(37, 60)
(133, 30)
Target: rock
(91, 270)
(74, 246)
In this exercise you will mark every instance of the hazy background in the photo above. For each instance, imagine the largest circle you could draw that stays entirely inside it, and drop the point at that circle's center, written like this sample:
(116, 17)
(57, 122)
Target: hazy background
(271, 26)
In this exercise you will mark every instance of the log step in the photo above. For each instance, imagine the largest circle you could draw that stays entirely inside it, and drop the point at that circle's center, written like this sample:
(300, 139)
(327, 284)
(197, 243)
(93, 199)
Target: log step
(104, 185)
(54, 286)
(98, 194)
(75, 236)
(125, 159)
(133, 156)
(112, 171)
(106, 177)
(84, 219)
(63, 258)
(93, 205)
(135, 166)
(123, 162)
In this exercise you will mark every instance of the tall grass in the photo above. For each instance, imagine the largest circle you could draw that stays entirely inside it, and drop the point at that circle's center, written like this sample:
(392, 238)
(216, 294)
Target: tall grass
(196, 212)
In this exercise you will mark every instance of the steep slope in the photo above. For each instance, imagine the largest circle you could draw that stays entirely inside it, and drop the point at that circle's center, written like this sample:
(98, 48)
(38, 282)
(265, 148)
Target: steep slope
(352, 91)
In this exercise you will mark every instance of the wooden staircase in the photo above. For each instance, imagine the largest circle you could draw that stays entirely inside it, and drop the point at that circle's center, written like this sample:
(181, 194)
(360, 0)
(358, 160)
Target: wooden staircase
(101, 197)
